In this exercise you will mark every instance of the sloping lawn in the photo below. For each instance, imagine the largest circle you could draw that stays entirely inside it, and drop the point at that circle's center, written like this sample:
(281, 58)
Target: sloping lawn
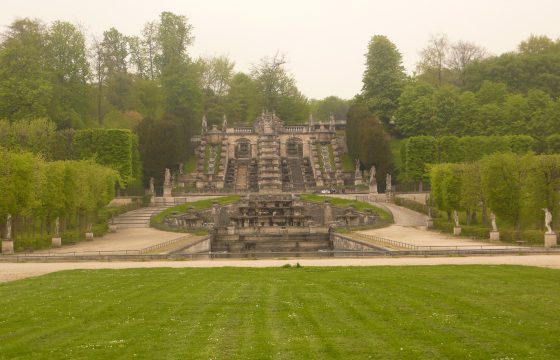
(439, 312)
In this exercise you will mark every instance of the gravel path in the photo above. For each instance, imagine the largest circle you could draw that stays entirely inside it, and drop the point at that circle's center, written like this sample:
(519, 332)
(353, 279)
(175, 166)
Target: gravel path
(15, 271)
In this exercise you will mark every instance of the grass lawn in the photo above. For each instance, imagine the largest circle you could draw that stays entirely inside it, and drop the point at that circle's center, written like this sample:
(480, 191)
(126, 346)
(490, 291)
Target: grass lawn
(439, 312)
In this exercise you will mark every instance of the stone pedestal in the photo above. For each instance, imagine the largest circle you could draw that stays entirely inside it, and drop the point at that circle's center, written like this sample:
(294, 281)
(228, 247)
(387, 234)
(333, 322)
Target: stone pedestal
(457, 230)
(56, 242)
(167, 191)
(112, 228)
(495, 235)
(89, 236)
(550, 240)
(429, 223)
(7, 247)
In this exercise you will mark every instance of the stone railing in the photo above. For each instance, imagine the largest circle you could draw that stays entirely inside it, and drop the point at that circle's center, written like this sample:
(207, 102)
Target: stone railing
(295, 129)
(243, 130)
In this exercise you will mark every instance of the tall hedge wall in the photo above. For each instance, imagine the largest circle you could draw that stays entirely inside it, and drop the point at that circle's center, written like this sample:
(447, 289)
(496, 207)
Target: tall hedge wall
(420, 151)
(116, 148)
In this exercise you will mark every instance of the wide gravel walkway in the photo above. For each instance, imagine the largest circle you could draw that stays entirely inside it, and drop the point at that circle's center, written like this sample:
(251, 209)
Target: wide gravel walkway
(15, 271)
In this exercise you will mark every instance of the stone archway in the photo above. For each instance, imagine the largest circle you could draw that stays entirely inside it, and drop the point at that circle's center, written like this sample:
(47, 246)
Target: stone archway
(294, 147)
(243, 149)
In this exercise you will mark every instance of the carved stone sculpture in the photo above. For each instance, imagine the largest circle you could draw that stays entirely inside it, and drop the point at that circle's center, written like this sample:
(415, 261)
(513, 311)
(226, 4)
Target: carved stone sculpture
(224, 123)
(57, 226)
(167, 180)
(204, 124)
(456, 218)
(9, 227)
(388, 181)
(152, 187)
(372, 180)
(493, 220)
(548, 221)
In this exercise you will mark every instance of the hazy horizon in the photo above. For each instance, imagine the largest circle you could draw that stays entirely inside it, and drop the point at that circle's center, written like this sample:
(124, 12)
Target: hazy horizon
(324, 41)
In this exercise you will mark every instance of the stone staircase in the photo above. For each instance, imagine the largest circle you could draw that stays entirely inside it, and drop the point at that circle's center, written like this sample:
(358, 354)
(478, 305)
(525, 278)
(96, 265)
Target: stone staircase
(139, 218)
(269, 176)
(307, 172)
(292, 175)
(241, 176)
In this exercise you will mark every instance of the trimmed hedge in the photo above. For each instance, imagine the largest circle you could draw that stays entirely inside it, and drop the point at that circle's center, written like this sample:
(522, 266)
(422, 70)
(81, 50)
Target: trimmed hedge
(115, 148)
(419, 151)
(531, 237)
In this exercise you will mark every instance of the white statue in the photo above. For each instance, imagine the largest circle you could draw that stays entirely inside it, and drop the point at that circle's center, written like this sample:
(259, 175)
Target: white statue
(493, 220)
(224, 123)
(456, 218)
(152, 187)
(167, 181)
(357, 172)
(204, 124)
(331, 121)
(372, 180)
(388, 180)
(180, 170)
(372, 172)
(9, 227)
(547, 220)
(57, 226)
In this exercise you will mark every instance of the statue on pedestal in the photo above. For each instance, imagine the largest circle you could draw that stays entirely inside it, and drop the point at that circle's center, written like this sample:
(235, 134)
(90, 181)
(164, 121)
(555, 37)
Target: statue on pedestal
(493, 220)
(167, 180)
(167, 183)
(372, 180)
(548, 221)
(357, 171)
(9, 227)
(224, 123)
(204, 124)
(456, 218)
(57, 226)
(152, 187)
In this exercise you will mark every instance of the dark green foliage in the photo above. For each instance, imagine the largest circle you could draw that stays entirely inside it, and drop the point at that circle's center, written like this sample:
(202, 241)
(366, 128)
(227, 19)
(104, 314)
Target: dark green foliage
(419, 151)
(383, 78)
(428, 110)
(162, 144)
(553, 144)
(116, 148)
(368, 141)
(515, 187)
(36, 192)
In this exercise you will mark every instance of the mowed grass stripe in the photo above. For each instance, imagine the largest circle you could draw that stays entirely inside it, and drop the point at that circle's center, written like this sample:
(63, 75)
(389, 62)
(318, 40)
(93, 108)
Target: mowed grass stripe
(284, 313)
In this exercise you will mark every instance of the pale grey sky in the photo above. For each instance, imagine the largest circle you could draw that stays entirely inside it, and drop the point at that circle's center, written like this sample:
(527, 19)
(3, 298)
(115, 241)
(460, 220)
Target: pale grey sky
(324, 41)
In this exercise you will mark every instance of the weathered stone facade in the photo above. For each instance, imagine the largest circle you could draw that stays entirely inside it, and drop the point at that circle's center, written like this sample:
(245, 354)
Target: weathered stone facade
(268, 157)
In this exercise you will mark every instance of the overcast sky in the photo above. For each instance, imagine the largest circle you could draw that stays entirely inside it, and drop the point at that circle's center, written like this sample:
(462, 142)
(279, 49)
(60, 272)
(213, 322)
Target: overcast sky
(324, 41)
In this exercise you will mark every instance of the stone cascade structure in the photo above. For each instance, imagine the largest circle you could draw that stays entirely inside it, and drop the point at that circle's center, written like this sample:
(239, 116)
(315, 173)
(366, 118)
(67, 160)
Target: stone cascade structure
(270, 223)
(211, 160)
(268, 157)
